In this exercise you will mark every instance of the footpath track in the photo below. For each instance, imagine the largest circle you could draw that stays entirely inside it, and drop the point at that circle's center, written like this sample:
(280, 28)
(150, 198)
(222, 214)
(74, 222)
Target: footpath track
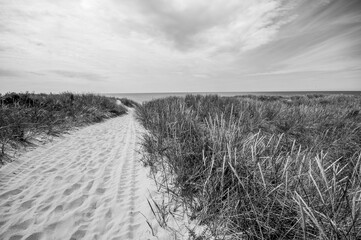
(86, 185)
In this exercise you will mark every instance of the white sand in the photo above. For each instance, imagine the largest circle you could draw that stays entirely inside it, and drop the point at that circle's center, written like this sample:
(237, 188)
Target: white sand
(86, 185)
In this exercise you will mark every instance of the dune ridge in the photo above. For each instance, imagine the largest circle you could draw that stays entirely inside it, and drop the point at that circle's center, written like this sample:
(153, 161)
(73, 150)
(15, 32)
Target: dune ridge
(86, 185)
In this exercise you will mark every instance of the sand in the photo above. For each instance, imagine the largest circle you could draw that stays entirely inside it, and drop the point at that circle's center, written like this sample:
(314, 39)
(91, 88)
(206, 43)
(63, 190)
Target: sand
(85, 185)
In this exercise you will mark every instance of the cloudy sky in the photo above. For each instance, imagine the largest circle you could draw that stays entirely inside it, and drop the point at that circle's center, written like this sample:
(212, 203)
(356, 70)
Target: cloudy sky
(180, 45)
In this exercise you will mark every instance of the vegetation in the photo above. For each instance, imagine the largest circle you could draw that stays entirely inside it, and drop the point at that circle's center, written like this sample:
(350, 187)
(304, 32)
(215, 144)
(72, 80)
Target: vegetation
(129, 103)
(25, 115)
(259, 167)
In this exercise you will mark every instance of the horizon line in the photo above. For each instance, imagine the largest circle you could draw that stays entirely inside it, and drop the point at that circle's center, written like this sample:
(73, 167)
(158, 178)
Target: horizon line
(191, 92)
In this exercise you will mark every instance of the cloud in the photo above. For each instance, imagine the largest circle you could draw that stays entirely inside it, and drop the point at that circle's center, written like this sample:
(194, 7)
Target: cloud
(186, 25)
(201, 75)
(168, 45)
(326, 38)
(8, 73)
(80, 75)
(190, 25)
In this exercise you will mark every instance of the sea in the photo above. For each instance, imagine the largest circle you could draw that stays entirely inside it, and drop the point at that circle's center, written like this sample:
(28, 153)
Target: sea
(144, 97)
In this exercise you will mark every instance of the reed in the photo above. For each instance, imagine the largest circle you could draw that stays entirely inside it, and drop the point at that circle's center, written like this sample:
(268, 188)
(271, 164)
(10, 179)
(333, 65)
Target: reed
(259, 167)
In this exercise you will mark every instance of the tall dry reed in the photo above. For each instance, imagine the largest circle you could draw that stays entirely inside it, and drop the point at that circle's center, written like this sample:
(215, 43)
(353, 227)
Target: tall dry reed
(260, 167)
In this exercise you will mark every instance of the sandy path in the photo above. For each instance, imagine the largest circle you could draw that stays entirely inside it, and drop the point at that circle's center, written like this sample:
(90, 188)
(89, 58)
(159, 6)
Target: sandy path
(86, 185)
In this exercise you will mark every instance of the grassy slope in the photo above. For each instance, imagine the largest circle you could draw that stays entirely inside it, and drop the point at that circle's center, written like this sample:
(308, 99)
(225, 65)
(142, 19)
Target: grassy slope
(25, 115)
(261, 167)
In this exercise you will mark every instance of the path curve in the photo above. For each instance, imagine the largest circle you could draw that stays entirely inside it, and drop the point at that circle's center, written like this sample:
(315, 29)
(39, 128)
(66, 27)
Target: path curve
(86, 185)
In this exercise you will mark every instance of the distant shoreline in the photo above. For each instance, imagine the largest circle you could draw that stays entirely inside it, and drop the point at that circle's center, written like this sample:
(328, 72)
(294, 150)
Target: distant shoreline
(141, 97)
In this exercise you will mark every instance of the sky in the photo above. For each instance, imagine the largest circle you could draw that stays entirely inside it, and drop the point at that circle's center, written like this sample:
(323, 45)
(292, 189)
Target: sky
(130, 46)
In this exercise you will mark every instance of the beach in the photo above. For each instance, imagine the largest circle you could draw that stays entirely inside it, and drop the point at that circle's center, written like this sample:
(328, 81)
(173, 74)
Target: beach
(180, 120)
(88, 184)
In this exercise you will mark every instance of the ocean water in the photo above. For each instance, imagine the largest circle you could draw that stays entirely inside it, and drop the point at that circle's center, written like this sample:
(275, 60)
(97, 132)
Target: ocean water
(142, 97)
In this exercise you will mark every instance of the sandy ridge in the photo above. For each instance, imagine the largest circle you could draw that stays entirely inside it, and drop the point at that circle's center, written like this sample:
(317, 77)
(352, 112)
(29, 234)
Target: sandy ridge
(86, 185)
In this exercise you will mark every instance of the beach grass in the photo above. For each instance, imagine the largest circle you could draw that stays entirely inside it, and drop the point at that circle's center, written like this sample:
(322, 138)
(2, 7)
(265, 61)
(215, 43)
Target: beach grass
(259, 167)
(129, 102)
(24, 116)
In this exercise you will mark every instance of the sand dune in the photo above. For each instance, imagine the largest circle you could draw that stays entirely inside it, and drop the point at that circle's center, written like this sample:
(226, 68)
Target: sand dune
(86, 185)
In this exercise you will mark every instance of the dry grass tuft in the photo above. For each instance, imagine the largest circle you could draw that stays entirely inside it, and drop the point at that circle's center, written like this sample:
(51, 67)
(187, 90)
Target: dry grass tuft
(260, 167)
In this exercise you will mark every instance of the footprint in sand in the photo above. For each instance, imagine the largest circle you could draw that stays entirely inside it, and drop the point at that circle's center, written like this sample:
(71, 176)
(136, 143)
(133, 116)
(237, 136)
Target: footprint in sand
(58, 178)
(16, 237)
(76, 203)
(34, 236)
(89, 186)
(69, 191)
(10, 193)
(58, 208)
(28, 204)
(44, 209)
(22, 225)
(79, 234)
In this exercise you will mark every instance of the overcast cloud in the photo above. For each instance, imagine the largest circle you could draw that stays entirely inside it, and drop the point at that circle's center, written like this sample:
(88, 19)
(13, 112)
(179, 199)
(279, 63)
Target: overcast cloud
(180, 45)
